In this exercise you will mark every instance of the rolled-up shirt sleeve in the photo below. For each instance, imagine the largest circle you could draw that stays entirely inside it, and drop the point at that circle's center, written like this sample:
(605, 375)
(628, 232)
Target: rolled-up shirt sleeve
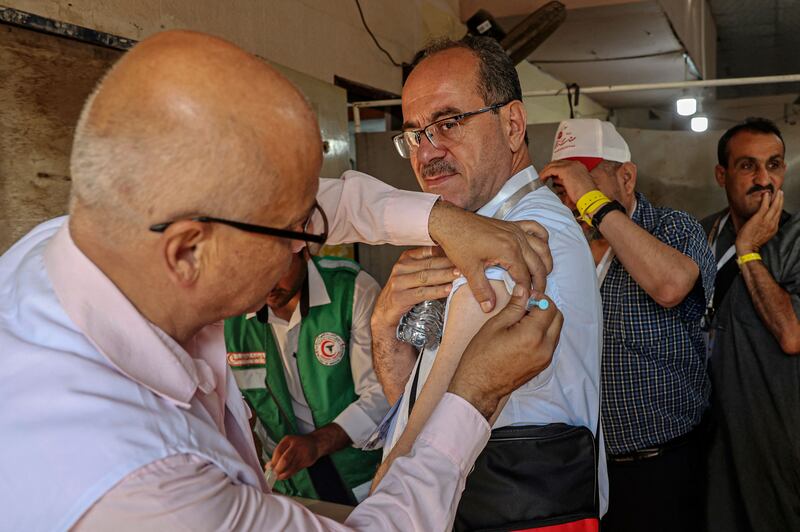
(361, 208)
(184, 492)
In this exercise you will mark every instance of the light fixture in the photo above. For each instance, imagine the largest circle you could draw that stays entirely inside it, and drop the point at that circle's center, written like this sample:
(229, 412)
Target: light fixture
(686, 106)
(699, 123)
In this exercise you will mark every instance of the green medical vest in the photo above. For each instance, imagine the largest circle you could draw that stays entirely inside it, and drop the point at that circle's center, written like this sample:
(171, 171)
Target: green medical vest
(323, 362)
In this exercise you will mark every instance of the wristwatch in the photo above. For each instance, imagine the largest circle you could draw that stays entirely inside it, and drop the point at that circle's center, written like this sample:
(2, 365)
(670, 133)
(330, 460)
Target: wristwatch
(598, 216)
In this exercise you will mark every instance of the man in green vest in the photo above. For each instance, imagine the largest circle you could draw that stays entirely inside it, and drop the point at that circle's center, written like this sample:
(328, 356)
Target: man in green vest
(304, 363)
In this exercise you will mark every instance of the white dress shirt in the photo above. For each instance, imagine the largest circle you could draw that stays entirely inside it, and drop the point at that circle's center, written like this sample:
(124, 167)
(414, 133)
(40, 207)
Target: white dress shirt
(568, 390)
(360, 418)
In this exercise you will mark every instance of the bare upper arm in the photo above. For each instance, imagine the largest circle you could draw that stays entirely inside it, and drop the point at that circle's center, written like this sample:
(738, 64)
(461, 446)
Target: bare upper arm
(464, 319)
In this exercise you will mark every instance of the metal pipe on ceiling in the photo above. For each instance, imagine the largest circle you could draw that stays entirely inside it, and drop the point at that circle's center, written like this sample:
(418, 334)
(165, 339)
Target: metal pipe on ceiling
(603, 89)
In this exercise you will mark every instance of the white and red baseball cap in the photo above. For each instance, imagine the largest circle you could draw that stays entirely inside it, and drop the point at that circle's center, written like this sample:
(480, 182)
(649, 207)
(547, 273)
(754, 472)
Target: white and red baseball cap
(589, 141)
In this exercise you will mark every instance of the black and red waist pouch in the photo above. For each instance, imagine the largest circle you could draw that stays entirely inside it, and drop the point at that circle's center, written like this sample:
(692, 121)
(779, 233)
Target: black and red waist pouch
(534, 477)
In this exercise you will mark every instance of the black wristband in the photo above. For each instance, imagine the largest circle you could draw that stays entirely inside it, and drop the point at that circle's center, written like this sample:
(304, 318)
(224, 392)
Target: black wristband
(598, 216)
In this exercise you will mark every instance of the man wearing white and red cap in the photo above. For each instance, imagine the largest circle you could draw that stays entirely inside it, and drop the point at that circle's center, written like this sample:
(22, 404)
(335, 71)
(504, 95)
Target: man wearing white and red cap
(656, 275)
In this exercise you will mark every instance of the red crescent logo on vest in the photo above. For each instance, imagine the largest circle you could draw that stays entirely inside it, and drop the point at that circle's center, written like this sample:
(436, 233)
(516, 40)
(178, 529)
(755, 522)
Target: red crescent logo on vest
(329, 348)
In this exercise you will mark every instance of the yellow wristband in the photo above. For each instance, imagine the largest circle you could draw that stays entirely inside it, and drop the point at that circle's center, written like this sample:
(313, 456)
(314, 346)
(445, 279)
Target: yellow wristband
(744, 259)
(588, 200)
(593, 208)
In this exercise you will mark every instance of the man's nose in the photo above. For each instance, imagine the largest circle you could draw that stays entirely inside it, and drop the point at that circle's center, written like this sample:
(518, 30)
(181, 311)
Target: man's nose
(762, 176)
(427, 152)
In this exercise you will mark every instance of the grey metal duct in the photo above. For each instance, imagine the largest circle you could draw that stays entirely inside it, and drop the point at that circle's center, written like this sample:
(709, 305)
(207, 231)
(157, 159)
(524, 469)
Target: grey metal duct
(526, 36)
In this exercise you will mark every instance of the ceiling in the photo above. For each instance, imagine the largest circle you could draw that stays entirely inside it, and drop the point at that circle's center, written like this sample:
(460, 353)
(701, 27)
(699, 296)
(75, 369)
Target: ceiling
(754, 38)
(587, 47)
(757, 38)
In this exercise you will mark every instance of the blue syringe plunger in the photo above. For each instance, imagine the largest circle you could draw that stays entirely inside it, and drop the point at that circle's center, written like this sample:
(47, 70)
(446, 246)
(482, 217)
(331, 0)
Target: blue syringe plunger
(541, 304)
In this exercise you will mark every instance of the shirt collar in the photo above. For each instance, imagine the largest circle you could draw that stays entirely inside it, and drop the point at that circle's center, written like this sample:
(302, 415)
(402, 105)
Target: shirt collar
(317, 296)
(318, 293)
(641, 208)
(525, 176)
(138, 349)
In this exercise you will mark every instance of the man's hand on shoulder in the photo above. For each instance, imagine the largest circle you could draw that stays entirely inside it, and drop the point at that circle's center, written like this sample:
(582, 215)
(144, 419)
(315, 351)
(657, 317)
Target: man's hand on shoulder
(418, 275)
(475, 242)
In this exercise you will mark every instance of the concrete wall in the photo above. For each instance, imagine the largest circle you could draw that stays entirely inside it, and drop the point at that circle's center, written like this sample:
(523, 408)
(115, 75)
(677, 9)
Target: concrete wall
(44, 80)
(676, 169)
(43, 83)
(319, 38)
(546, 109)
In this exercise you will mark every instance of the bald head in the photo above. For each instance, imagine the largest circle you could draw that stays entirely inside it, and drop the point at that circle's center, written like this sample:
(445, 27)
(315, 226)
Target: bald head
(186, 123)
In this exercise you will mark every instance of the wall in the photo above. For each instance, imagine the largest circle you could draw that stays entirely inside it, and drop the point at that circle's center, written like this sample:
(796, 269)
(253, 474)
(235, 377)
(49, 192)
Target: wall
(44, 80)
(319, 38)
(722, 113)
(676, 169)
(330, 105)
(43, 83)
(545, 109)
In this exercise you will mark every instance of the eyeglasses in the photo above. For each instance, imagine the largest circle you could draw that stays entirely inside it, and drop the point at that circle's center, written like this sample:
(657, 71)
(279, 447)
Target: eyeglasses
(442, 132)
(306, 235)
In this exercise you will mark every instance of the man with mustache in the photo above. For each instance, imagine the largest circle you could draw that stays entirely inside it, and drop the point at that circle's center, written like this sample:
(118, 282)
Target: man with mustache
(304, 363)
(753, 464)
(464, 132)
(746, 184)
(656, 275)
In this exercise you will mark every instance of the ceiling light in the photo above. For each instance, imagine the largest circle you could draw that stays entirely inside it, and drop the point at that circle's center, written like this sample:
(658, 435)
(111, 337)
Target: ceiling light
(686, 106)
(699, 124)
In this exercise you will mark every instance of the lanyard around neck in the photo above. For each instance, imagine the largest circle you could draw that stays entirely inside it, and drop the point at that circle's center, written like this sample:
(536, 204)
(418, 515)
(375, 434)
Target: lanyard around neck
(514, 198)
(716, 231)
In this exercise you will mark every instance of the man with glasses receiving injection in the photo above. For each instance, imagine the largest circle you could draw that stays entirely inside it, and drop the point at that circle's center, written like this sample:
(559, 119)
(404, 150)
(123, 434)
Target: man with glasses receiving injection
(465, 135)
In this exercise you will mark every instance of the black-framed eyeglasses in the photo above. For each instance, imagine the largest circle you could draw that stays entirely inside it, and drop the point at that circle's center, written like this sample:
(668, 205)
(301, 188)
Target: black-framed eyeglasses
(441, 132)
(306, 235)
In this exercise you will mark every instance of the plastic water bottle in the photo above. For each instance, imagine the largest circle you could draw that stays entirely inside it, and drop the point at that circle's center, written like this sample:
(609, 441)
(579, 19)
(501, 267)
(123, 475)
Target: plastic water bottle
(422, 325)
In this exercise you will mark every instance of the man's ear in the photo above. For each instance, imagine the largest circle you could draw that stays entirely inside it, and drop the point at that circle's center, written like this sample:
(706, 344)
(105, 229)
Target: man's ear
(517, 122)
(626, 176)
(183, 244)
(719, 175)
